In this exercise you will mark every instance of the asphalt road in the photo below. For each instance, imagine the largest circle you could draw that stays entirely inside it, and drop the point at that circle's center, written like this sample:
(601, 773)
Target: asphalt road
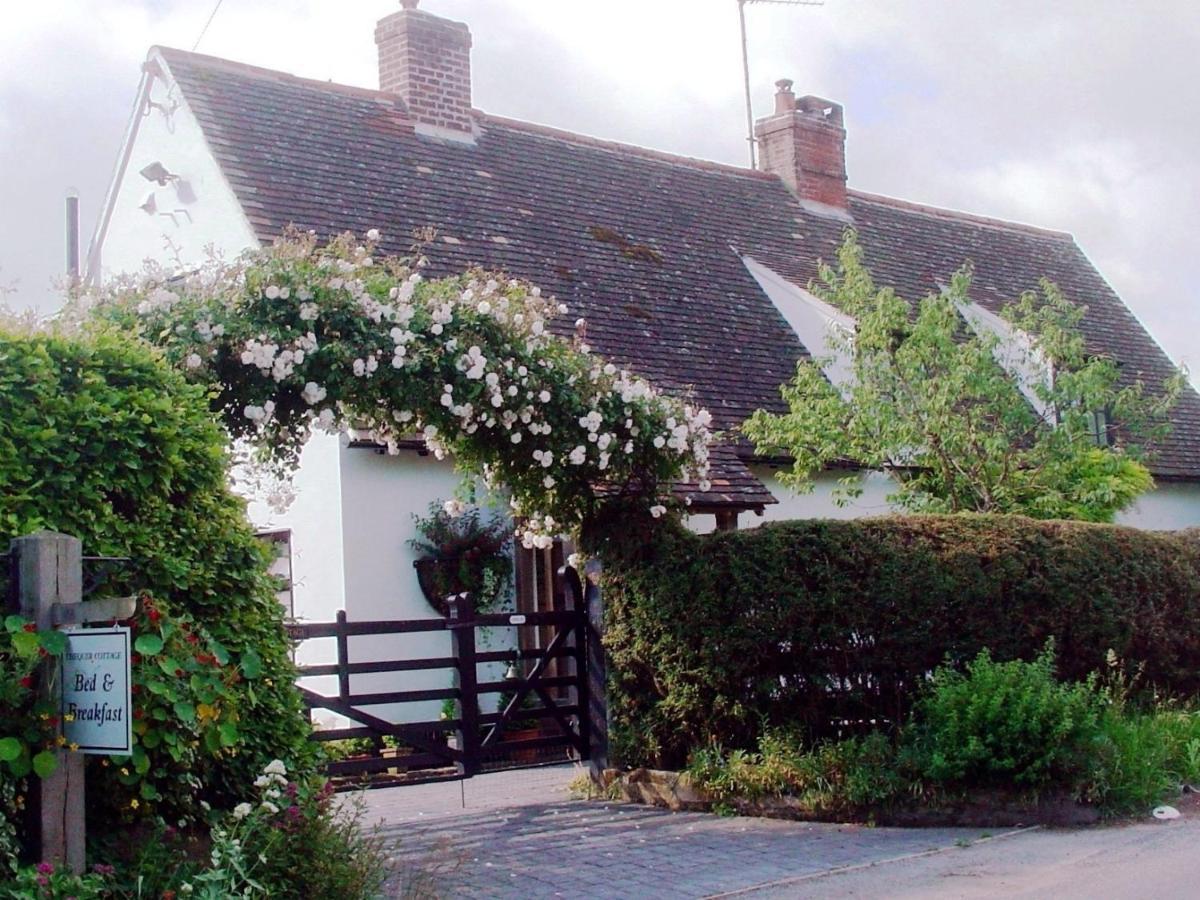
(1159, 860)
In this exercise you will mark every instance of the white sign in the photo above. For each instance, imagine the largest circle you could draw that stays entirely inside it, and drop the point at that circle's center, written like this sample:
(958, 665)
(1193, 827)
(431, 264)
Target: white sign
(97, 701)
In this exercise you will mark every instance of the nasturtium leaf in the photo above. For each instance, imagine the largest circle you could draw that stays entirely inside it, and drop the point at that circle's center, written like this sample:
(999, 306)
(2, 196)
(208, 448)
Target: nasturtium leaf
(13, 624)
(149, 791)
(251, 663)
(212, 741)
(229, 734)
(10, 749)
(53, 642)
(219, 652)
(20, 766)
(148, 644)
(26, 643)
(169, 665)
(45, 763)
(185, 711)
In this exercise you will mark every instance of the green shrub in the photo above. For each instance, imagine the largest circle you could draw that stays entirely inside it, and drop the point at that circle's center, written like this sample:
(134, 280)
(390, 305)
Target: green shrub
(101, 439)
(828, 626)
(1010, 723)
(844, 777)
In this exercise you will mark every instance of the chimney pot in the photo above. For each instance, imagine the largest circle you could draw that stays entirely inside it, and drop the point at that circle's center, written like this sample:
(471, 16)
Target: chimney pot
(785, 100)
(409, 4)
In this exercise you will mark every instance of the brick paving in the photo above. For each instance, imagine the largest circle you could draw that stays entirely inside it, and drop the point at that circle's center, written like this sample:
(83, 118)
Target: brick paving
(520, 835)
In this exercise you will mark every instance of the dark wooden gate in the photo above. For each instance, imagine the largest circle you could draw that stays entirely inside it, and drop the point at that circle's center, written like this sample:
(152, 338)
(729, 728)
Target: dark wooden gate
(548, 686)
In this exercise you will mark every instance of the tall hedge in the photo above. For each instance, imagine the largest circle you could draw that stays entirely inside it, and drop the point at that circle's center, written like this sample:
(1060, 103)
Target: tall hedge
(101, 439)
(827, 625)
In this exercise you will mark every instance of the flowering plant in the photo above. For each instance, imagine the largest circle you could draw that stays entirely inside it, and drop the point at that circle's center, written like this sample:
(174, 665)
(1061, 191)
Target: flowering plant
(29, 723)
(463, 553)
(302, 337)
(46, 880)
(185, 703)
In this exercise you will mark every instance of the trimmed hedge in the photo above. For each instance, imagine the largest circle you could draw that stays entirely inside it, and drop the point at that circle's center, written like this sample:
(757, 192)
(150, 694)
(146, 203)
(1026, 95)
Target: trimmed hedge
(101, 439)
(829, 626)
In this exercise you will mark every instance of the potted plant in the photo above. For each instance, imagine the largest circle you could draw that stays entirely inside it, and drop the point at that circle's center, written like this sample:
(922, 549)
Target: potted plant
(521, 729)
(464, 553)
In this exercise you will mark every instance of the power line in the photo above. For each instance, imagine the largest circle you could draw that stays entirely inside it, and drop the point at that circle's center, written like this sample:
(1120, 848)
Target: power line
(211, 16)
(746, 60)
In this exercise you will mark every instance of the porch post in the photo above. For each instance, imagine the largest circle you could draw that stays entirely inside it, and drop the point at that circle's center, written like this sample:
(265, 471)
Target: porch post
(596, 674)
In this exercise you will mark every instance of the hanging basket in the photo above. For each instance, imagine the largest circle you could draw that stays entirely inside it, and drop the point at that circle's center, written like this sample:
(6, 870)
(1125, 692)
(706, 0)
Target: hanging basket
(439, 579)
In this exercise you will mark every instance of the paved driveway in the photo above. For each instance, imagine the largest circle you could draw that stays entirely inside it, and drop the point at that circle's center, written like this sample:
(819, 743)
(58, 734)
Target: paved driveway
(519, 835)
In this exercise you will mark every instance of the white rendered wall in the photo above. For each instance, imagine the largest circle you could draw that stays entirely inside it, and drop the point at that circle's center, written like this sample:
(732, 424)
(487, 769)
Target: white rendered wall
(191, 214)
(1170, 506)
(315, 519)
(380, 495)
(819, 504)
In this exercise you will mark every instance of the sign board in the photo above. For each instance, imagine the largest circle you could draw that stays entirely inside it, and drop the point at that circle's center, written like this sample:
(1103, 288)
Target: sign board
(96, 691)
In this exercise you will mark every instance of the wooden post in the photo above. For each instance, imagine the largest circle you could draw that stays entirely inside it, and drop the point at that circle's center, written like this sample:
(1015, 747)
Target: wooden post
(597, 675)
(343, 658)
(50, 574)
(462, 638)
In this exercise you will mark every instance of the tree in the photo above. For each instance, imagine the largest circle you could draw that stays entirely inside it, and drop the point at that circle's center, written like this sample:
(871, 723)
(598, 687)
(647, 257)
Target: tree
(966, 410)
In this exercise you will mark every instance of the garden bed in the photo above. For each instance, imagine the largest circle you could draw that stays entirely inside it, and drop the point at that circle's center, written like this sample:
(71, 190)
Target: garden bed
(982, 809)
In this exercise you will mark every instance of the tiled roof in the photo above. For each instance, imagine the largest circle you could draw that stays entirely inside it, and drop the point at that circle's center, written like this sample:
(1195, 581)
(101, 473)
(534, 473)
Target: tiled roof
(642, 244)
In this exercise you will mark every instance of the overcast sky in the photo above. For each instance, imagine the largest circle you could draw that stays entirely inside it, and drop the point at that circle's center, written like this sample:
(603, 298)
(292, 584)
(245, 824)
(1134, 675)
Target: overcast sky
(1080, 115)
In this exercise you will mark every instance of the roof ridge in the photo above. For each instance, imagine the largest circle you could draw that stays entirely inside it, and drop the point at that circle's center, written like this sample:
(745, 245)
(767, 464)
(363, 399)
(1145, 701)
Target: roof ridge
(575, 137)
(941, 212)
(278, 74)
(534, 127)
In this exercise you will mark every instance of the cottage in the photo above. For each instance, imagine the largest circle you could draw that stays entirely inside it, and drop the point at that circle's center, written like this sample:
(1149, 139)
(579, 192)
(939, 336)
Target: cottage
(690, 272)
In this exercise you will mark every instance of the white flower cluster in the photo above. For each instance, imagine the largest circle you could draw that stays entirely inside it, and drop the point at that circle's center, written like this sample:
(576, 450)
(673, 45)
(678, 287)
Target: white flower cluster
(478, 350)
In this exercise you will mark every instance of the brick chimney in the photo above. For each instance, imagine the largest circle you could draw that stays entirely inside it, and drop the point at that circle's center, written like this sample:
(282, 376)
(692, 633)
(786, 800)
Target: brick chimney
(804, 143)
(427, 61)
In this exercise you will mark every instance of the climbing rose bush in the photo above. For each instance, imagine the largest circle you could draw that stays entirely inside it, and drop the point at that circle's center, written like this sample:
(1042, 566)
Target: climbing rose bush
(305, 337)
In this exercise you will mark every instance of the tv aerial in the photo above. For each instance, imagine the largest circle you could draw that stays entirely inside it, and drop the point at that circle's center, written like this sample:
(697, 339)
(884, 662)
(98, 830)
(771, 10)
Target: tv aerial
(742, 4)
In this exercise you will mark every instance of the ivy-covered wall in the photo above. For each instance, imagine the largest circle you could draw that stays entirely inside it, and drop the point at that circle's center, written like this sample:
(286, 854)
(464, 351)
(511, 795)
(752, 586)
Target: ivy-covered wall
(834, 625)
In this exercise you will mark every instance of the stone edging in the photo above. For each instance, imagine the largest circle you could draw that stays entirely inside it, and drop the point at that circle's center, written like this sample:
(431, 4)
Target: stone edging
(675, 791)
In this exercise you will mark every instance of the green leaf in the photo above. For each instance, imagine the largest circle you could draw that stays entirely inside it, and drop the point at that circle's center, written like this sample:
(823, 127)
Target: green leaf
(229, 734)
(251, 664)
(10, 749)
(45, 763)
(185, 711)
(149, 792)
(20, 766)
(26, 643)
(212, 741)
(219, 652)
(148, 644)
(53, 642)
(13, 624)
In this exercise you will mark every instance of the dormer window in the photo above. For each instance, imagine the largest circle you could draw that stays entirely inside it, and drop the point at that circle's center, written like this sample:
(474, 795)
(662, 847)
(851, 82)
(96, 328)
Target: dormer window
(812, 319)
(1016, 353)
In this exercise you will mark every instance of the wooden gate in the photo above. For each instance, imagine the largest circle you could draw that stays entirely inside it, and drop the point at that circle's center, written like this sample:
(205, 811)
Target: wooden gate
(549, 686)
